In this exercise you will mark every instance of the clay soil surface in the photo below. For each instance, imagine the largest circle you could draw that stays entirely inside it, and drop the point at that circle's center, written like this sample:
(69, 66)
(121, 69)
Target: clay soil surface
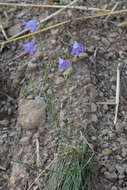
(92, 91)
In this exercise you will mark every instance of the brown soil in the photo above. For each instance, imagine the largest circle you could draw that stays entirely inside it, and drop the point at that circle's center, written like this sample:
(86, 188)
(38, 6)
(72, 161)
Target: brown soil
(93, 80)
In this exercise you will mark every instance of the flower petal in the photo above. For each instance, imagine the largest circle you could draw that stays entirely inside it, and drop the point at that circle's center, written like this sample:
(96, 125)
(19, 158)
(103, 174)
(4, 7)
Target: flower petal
(77, 49)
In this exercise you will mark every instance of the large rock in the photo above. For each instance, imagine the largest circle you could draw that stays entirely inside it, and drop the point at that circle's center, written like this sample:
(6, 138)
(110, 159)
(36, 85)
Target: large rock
(32, 113)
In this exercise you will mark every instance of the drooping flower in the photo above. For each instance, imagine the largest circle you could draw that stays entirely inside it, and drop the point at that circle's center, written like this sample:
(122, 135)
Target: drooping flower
(63, 64)
(77, 49)
(31, 25)
(29, 47)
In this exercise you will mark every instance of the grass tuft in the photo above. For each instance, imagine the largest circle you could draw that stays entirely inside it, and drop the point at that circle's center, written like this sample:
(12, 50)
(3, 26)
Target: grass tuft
(74, 168)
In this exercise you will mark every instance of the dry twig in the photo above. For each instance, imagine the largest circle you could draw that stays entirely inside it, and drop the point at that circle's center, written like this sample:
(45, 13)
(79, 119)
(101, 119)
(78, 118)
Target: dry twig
(37, 151)
(108, 102)
(117, 93)
(60, 24)
(2, 29)
(38, 156)
(113, 9)
(42, 173)
(47, 18)
(13, 38)
(54, 6)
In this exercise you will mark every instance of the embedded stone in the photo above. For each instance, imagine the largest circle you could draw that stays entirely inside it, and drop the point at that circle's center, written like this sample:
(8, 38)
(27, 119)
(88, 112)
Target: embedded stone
(32, 113)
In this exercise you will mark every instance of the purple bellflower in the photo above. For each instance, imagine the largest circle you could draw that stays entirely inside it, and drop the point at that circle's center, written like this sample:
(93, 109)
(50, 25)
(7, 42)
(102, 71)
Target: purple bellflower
(31, 25)
(29, 47)
(77, 49)
(63, 64)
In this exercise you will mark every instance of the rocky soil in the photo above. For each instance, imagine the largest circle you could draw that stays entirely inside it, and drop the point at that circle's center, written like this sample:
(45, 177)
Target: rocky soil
(28, 135)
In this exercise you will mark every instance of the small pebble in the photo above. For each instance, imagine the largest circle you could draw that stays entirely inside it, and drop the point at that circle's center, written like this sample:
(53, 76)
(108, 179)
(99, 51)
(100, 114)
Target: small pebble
(114, 188)
(24, 140)
(94, 118)
(107, 151)
(4, 123)
(93, 107)
(83, 55)
(110, 176)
